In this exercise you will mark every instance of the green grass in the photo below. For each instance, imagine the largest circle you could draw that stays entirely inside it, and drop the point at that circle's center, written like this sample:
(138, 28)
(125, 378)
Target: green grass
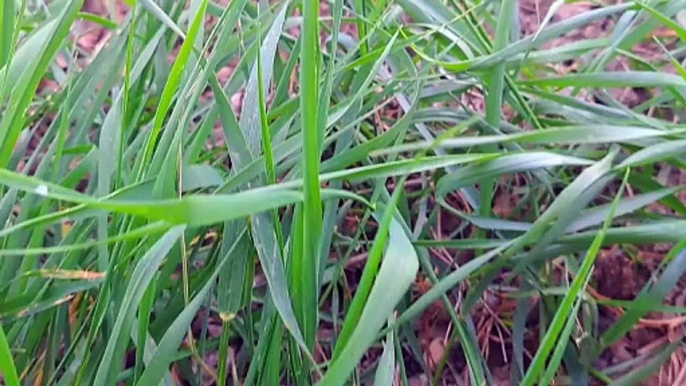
(151, 233)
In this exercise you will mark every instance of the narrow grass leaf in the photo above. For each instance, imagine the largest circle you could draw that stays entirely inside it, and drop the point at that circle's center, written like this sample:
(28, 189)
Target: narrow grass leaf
(495, 82)
(250, 117)
(526, 44)
(12, 122)
(364, 87)
(308, 261)
(134, 234)
(655, 294)
(173, 81)
(446, 283)
(231, 289)
(673, 25)
(560, 328)
(505, 164)
(385, 371)
(7, 368)
(650, 154)
(558, 136)
(626, 205)
(269, 253)
(7, 17)
(162, 16)
(638, 376)
(397, 272)
(552, 223)
(141, 277)
(369, 275)
(165, 352)
(611, 79)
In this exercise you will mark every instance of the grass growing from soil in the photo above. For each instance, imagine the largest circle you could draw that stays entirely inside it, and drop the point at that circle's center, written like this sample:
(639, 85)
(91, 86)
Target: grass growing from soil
(394, 168)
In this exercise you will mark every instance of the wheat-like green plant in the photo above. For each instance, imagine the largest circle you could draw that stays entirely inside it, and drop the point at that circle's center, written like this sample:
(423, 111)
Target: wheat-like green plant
(155, 232)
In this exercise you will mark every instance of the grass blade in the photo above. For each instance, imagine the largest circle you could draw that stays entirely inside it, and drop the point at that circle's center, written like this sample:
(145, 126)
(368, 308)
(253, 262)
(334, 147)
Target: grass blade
(385, 371)
(7, 368)
(308, 262)
(397, 272)
(561, 326)
(140, 279)
(172, 84)
(12, 122)
(166, 350)
(7, 16)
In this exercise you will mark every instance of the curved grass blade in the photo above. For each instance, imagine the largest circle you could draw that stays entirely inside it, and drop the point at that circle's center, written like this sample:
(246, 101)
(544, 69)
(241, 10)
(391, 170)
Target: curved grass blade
(521, 46)
(515, 163)
(674, 26)
(626, 205)
(7, 368)
(639, 375)
(558, 136)
(194, 210)
(552, 223)
(557, 335)
(140, 279)
(146, 230)
(611, 79)
(385, 371)
(166, 351)
(397, 272)
(446, 283)
(655, 294)
(172, 84)
(12, 122)
(495, 81)
(654, 153)
(162, 16)
(369, 274)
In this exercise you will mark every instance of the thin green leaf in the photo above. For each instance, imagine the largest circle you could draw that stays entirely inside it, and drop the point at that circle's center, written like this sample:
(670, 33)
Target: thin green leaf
(397, 272)
(140, 279)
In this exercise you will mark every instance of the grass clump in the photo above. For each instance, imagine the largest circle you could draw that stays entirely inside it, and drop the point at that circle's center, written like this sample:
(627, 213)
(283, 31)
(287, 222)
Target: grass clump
(388, 159)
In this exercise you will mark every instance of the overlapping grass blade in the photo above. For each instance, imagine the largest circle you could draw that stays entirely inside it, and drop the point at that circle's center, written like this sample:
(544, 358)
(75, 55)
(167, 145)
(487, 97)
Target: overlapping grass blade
(551, 224)
(172, 84)
(559, 135)
(670, 276)
(306, 266)
(505, 164)
(8, 17)
(495, 83)
(166, 350)
(385, 371)
(557, 335)
(7, 368)
(397, 271)
(368, 276)
(30, 69)
(611, 79)
(140, 278)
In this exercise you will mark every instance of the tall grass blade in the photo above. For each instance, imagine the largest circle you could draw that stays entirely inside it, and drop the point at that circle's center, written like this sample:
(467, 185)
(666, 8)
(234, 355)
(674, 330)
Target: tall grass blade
(307, 271)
